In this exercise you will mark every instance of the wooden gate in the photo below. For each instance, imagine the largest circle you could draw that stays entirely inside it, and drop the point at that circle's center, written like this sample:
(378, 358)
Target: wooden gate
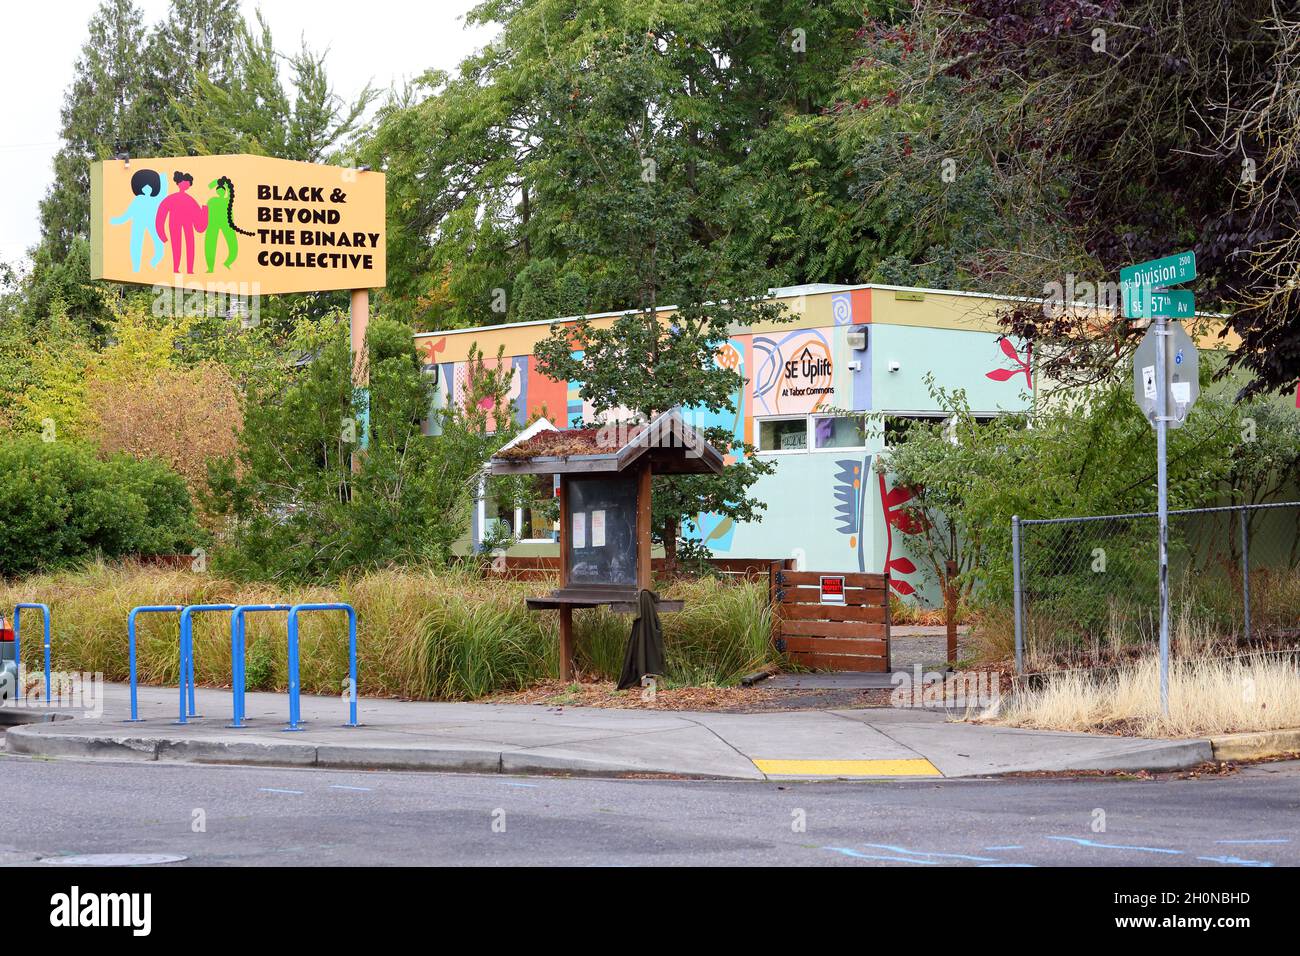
(848, 636)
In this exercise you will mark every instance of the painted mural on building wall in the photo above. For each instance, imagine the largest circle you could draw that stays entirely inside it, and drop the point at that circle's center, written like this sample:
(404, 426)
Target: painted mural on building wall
(829, 508)
(717, 532)
(851, 504)
(793, 373)
(1021, 366)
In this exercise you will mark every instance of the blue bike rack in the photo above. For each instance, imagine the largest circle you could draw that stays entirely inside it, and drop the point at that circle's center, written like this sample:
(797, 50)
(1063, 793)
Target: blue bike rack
(18, 644)
(237, 657)
(293, 660)
(187, 654)
(130, 631)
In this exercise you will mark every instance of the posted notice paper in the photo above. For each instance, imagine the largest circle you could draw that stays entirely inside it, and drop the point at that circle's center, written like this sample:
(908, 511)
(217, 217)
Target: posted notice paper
(598, 529)
(579, 529)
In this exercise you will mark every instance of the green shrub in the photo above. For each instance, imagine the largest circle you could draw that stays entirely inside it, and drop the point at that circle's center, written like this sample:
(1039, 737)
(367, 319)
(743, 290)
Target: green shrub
(60, 503)
(260, 667)
(425, 635)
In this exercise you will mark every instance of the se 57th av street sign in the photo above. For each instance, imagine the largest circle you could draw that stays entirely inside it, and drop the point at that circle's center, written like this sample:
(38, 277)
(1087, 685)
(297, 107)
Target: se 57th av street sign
(1165, 303)
(1165, 386)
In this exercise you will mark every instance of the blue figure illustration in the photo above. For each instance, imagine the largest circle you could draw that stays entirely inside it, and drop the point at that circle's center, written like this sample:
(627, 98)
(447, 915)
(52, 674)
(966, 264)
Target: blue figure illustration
(149, 189)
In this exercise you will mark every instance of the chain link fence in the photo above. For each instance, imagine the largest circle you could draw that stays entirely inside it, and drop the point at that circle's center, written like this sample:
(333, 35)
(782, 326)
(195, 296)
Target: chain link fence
(1087, 590)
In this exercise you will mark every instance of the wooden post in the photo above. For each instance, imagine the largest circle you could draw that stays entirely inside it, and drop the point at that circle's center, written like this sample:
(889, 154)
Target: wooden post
(889, 624)
(566, 612)
(566, 643)
(358, 321)
(644, 575)
(565, 530)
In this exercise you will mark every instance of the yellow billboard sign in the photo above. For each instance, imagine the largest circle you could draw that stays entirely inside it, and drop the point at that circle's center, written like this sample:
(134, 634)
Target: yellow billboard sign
(261, 225)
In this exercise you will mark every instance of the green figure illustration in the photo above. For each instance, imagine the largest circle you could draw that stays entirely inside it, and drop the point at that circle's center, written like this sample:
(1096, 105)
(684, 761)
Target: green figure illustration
(221, 223)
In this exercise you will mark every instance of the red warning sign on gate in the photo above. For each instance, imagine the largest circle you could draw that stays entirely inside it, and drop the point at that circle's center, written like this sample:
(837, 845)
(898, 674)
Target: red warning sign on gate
(832, 589)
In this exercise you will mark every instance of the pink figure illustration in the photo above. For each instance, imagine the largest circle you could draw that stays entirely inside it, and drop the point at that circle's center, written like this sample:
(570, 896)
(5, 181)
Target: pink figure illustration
(187, 217)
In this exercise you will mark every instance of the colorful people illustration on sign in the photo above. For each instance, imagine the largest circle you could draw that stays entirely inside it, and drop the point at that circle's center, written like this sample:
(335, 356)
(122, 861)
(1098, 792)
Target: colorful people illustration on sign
(221, 223)
(149, 188)
(186, 218)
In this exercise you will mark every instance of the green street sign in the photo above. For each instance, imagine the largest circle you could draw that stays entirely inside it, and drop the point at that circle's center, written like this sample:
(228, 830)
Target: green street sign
(1171, 270)
(1165, 303)
(1159, 274)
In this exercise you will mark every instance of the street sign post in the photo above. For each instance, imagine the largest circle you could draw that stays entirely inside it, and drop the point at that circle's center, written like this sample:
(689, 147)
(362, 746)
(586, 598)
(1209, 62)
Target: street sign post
(1140, 285)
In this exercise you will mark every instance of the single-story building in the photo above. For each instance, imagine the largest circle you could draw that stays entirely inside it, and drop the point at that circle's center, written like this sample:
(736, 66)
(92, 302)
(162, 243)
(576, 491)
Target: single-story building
(850, 349)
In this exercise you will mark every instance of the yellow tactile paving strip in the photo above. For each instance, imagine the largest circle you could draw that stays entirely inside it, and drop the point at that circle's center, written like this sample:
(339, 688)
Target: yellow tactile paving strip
(848, 768)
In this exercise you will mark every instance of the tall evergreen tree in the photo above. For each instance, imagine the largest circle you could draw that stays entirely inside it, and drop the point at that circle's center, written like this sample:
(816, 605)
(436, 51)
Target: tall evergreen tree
(196, 39)
(101, 115)
(256, 111)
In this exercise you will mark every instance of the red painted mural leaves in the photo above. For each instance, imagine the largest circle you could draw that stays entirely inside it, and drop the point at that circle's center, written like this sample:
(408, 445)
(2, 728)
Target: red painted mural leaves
(891, 502)
(901, 586)
(1022, 364)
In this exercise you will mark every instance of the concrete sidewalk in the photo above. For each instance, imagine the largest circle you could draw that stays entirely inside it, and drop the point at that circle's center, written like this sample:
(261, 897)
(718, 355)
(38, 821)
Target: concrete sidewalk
(493, 738)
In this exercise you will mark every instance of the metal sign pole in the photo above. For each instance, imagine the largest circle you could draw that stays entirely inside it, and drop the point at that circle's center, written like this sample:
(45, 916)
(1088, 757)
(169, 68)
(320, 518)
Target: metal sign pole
(358, 322)
(1162, 490)
(1144, 279)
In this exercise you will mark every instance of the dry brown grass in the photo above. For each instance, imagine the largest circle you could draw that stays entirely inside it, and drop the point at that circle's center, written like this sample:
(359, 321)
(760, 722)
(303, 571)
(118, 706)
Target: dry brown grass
(1206, 696)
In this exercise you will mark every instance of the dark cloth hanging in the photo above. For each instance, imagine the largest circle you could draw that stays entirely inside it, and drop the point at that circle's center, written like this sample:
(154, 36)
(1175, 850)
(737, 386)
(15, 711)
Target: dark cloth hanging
(645, 645)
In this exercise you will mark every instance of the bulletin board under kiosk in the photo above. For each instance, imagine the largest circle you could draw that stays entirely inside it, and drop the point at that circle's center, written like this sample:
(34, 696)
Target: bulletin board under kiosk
(602, 530)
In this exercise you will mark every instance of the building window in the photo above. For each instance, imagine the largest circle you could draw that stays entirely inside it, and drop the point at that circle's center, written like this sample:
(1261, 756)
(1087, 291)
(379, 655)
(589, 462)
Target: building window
(783, 434)
(897, 426)
(805, 433)
(839, 431)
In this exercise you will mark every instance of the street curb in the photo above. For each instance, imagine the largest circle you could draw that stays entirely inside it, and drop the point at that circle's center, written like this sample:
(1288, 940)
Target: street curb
(331, 756)
(1263, 743)
(1152, 756)
(32, 741)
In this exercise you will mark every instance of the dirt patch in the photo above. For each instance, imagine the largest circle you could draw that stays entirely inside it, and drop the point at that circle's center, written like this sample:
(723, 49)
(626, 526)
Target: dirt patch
(738, 700)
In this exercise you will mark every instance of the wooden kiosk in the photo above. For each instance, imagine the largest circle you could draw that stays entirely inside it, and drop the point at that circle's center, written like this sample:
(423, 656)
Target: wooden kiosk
(604, 496)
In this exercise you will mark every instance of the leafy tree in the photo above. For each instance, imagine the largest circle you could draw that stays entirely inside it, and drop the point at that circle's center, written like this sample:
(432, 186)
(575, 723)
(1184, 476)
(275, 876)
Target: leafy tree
(63, 369)
(181, 416)
(644, 365)
(1087, 452)
(491, 169)
(295, 507)
(101, 113)
(1134, 129)
(196, 39)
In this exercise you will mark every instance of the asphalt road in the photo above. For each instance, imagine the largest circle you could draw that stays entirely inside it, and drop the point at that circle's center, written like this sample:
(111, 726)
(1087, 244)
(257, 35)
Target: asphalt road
(254, 816)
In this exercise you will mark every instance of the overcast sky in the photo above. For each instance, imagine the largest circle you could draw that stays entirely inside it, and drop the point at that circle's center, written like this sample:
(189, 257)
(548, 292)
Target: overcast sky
(384, 41)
